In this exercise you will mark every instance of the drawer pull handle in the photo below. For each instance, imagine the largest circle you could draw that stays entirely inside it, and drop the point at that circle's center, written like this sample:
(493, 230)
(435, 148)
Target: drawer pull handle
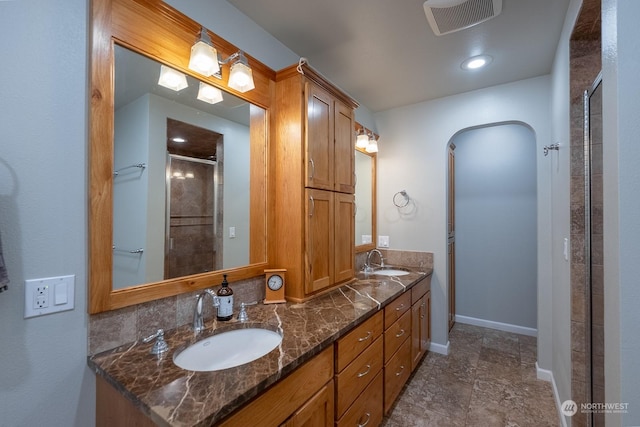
(362, 374)
(368, 415)
(400, 371)
(399, 334)
(365, 338)
(400, 307)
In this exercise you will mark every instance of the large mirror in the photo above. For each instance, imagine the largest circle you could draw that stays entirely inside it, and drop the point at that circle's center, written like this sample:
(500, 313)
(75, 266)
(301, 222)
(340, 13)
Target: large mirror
(168, 216)
(365, 216)
(181, 185)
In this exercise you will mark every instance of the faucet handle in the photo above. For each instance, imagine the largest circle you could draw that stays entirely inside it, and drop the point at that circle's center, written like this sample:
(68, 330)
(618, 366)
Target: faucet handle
(242, 315)
(160, 346)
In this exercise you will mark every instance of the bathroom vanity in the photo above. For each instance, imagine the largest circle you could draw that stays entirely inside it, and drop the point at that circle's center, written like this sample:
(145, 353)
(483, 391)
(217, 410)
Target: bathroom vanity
(344, 356)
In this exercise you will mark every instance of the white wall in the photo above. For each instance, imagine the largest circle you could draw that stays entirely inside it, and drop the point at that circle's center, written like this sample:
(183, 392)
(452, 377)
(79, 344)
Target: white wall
(413, 157)
(560, 215)
(44, 379)
(495, 218)
(131, 146)
(621, 109)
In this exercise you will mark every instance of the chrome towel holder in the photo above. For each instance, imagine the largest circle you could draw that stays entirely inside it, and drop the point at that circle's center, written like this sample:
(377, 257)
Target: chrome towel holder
(402, 201)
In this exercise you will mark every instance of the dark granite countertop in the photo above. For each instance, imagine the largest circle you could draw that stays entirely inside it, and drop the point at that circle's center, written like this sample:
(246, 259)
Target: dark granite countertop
(171, 396)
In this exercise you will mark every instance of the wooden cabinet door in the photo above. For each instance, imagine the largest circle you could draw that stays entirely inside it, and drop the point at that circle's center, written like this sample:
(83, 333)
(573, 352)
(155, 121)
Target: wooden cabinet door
(344, 254)
(420, 329)
(316, 412)
(344, 152)
(319, 138)
(416, 309)
(319, 240)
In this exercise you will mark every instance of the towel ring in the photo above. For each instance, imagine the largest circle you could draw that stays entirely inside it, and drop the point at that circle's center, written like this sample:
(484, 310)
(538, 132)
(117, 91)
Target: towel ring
(399, 202)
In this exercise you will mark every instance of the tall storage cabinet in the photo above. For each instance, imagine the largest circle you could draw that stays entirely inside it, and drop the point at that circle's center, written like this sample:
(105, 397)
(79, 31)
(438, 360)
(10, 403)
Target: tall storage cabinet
(314, 182)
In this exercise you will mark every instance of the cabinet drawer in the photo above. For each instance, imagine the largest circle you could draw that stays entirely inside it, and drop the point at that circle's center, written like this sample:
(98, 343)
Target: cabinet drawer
(420, 289)
(275, 405)
(367, 409)
(357, 375)
(352, 344)
(396, 374)
(396, 335)
(397, 308)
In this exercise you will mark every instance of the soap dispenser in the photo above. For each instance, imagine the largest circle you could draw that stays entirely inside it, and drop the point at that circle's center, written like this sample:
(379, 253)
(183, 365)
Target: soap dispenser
(225, 296)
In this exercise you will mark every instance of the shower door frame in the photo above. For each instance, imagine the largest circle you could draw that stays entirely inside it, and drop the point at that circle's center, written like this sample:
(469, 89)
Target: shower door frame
(588, 167)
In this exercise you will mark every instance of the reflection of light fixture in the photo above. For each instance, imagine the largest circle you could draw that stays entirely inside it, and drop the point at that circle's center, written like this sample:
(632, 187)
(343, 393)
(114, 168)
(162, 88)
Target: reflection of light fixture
(210, 94)
(372, 144)
(189, 175)
(178, 139)
(204, 57)
(476, 62)
(240, 76)
(362, 139)
(172, 79)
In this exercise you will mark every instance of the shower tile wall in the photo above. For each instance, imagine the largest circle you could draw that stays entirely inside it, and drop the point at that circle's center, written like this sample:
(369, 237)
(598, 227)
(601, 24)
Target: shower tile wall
(585, 64)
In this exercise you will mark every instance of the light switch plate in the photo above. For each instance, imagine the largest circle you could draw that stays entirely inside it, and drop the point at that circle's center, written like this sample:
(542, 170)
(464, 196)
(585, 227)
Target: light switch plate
(383, 241)
(48, 295)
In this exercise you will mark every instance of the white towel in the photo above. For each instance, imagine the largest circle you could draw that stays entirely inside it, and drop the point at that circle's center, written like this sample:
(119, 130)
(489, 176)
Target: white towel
(4, 277)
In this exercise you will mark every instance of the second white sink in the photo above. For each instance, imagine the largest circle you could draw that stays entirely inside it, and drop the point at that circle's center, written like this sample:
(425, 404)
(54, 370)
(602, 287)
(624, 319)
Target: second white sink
(227, 349)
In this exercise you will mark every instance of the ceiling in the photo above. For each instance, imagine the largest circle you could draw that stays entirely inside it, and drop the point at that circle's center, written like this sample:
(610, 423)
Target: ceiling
(384, 53)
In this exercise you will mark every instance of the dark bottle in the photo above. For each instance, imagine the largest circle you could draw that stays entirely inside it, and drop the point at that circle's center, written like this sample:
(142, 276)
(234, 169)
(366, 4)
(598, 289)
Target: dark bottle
(225, 296)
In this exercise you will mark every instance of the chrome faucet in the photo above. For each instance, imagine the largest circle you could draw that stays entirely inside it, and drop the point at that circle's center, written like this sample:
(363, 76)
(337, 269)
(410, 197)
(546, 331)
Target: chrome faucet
(367, 266)
(198, 322)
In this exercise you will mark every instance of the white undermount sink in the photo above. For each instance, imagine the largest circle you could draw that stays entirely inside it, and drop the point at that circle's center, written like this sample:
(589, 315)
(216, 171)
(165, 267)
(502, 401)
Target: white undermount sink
(390, 272)
(227, 349)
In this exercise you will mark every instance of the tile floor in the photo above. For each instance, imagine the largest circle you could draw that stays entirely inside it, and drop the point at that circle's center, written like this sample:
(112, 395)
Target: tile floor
(488, 379)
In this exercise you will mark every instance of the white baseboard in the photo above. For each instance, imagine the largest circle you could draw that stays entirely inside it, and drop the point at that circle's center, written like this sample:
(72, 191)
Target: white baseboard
(439, 348)
(522, 330)
(546, 375)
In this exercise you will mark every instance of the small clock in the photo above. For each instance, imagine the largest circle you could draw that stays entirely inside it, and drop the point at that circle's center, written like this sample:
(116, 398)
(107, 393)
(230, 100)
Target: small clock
(274, 286)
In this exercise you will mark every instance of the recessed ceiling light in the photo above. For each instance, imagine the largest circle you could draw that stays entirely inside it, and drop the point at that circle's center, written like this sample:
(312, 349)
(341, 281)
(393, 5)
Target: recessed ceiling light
(476, 62)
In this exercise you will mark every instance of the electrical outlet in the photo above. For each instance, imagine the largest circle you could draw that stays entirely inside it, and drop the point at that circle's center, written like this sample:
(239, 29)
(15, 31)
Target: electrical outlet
(48, 295)
(41, 297)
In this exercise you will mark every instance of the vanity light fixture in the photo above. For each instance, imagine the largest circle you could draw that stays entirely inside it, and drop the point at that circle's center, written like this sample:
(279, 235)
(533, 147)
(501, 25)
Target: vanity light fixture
(204, 57)
(240, 76)
(209, 94)
(172, 79)
(372, 145)
(362, 139)
(476, 62)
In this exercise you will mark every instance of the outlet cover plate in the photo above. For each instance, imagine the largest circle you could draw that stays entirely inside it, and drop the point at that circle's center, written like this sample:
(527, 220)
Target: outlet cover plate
(48, 295)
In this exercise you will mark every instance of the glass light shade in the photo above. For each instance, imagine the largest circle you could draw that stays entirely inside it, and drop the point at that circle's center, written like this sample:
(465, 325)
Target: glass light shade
(204, 59)
(362, 141)
(209, 94)
(372, 145)
(172, 79)
(241, 77)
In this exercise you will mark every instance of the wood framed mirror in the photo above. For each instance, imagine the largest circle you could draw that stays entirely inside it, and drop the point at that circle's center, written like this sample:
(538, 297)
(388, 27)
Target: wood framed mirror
(365, 215)
(126, 272)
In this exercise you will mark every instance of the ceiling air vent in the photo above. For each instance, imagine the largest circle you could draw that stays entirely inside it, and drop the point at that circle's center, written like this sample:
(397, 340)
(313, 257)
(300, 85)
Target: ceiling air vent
(448, 16)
